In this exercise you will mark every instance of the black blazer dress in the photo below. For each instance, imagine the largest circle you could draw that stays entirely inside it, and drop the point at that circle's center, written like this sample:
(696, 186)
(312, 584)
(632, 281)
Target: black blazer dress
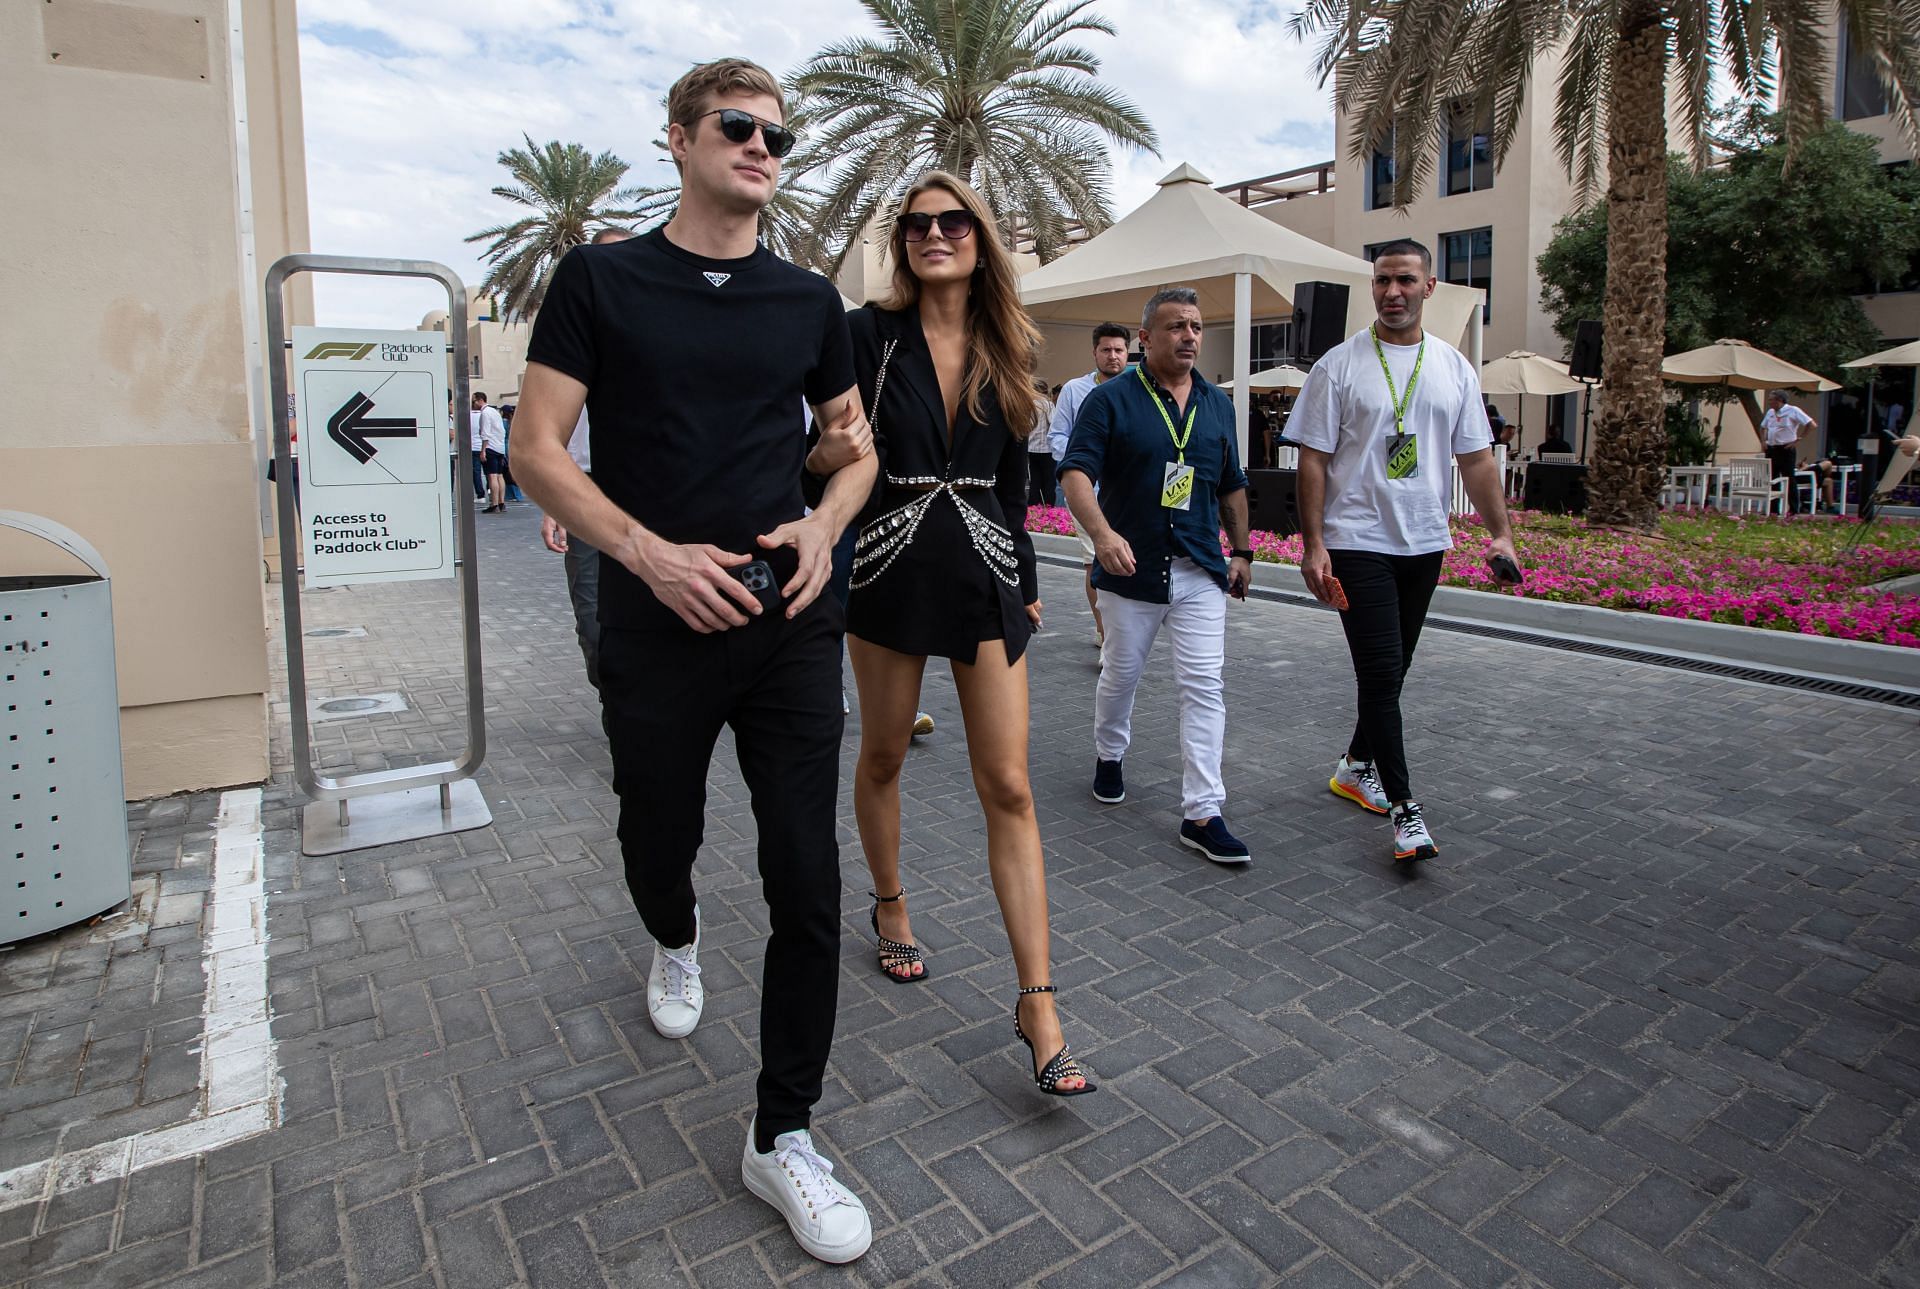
(943, 560)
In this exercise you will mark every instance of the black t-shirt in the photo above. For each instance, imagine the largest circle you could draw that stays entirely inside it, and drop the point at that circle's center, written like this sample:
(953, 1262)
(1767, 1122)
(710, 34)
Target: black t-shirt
(695, 372)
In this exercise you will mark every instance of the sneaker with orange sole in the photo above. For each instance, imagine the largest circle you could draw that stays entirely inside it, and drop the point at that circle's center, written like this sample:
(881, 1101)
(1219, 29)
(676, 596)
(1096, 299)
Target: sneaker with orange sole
(1359, 783)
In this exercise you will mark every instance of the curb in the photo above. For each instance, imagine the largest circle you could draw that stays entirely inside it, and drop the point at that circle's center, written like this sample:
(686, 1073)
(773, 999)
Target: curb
(1821, 657)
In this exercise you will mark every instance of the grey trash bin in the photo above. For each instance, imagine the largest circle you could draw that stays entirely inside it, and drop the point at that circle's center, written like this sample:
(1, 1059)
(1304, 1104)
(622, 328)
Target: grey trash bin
(63, 816)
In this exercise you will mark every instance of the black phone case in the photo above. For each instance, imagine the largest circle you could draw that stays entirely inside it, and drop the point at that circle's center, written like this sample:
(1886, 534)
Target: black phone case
(758, 577)
(1506, 572)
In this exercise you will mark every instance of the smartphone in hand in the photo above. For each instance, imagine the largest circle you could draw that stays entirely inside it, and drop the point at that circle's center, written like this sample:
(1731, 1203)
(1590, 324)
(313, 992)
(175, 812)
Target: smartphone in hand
(1505, 571)
(758, 577)
(1336, 594)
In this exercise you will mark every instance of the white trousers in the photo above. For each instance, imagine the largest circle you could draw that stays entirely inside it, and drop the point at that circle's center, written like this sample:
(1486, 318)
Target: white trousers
(1195, 617)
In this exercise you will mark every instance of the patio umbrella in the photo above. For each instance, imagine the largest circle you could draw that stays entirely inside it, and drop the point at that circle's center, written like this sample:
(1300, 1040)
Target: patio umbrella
(1907, 355)
(1736, 364)
(1281, 377)
(1521, 373)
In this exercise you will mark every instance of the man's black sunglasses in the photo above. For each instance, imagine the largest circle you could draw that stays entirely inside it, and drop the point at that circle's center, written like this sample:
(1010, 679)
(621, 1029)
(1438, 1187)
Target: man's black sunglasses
(955, 225)
(738, 127)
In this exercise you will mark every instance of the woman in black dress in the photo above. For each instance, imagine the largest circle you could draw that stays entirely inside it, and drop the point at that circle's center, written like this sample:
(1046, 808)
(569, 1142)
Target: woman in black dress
(943, 567)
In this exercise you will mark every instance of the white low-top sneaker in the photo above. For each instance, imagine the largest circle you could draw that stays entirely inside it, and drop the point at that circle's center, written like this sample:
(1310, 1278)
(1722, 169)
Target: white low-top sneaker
(1359, 783)
(674, 992)
(827, 1219)
(1411, 840)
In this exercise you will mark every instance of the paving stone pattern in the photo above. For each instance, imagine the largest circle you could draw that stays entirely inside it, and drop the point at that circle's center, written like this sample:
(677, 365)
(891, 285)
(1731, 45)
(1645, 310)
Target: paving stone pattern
(1649, 1020)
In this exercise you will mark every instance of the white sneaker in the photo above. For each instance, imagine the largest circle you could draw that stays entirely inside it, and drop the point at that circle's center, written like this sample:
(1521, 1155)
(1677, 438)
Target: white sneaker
(827, 1219)
(1359, 783)
(1411, 840)
(674, 992)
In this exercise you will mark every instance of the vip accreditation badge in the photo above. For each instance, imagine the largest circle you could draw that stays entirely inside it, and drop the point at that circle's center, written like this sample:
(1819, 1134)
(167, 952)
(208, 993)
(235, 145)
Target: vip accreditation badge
(1403, 456)
(1177, 492)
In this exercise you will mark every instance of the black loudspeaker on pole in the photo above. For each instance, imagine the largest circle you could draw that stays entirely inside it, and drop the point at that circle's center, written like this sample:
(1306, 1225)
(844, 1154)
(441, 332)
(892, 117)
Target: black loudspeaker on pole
(1585, 363)
(1319, 320)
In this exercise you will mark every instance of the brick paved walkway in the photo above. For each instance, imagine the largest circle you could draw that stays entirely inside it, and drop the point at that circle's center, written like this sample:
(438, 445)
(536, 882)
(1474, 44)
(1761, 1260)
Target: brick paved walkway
(1650, 1020)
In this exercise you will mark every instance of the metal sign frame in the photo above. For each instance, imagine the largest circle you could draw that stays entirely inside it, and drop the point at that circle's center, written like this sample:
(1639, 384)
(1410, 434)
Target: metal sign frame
(402, 779)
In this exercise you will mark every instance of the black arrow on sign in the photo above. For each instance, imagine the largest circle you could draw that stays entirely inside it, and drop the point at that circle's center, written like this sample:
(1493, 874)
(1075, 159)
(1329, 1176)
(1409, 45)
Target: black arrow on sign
(351, 427)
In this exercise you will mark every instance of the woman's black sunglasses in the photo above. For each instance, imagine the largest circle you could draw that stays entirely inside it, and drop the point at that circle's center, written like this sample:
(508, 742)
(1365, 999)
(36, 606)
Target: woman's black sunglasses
(738, 127)
(955, 225)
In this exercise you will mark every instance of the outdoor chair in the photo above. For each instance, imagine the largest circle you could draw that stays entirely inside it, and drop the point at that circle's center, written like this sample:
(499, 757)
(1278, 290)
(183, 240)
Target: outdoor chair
(1753, 486)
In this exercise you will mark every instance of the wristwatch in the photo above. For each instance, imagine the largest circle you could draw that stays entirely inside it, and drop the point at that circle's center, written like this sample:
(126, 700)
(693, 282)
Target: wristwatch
(1245, 555)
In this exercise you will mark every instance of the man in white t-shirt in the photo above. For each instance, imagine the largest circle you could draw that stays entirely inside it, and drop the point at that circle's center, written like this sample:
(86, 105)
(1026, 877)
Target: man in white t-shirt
(1783, 426)
(1381, 422)
(1110, 341)
(490, 437)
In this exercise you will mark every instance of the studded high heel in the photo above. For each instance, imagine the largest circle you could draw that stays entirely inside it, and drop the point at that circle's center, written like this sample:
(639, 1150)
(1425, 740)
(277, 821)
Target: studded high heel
(893, 954)
(1062, 1066)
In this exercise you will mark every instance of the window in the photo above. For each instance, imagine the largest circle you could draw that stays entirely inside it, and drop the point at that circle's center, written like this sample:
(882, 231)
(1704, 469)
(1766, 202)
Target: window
(1861, 93)
(1466, 259)
(1469, 147)
(1272, 342)
(1380, 176)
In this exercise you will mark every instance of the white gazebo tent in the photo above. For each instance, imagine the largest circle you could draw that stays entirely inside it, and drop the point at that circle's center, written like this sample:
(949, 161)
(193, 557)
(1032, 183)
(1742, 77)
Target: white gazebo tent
(1242, 265)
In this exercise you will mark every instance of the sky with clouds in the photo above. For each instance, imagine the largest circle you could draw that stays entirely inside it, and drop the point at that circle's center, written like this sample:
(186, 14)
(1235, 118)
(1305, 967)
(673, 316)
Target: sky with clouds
(409, 104)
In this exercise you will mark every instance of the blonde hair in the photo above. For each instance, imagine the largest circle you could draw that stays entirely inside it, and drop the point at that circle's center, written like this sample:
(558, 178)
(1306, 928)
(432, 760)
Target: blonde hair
(1002, 341)
(692, 95)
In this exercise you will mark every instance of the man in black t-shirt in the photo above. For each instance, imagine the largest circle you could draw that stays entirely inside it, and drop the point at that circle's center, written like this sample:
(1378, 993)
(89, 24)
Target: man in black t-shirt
(692, 348)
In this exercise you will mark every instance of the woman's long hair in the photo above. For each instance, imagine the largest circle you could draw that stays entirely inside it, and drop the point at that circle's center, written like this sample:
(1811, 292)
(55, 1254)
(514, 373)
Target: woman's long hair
(1002, 341)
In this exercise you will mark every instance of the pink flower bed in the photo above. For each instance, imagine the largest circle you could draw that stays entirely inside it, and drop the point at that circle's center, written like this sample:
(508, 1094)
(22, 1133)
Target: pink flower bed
(1767, 572)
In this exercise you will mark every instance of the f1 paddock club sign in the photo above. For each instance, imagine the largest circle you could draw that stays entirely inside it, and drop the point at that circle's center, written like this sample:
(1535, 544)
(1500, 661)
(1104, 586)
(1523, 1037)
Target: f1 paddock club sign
(376, 502)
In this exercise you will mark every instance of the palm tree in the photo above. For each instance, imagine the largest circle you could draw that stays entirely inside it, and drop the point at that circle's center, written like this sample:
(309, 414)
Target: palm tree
(989, 90)
(572, 194)
(1405, 63)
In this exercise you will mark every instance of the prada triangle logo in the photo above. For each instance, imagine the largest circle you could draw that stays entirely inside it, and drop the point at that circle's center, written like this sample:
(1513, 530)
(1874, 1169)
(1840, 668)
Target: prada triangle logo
(718, 279)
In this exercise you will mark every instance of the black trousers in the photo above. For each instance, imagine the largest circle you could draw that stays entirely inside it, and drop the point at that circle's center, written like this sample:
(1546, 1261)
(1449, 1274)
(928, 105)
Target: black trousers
(1387, 599)
(776, 684)
(1785, 459)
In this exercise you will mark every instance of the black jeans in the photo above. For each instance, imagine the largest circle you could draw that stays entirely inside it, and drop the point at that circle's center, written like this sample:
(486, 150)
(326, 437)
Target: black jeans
(1785, 459)
(777, 685)
(1387, 598)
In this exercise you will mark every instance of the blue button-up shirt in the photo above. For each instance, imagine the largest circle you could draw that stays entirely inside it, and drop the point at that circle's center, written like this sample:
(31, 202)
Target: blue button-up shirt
(1121, 442)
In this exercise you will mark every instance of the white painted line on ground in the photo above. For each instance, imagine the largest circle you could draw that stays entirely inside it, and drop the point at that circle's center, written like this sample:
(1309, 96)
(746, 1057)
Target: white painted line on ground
(239, 1065)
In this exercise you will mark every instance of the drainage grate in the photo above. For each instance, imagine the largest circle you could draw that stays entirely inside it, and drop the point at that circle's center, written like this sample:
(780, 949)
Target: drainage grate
(1621, 653)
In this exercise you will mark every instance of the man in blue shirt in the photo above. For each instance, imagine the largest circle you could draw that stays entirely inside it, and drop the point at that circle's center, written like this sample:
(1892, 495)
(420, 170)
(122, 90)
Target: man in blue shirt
(1109, 360)
(1159, 441)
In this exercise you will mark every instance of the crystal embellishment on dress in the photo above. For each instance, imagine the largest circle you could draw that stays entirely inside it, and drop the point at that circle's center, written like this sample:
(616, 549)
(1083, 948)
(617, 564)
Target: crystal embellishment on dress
(881, 541)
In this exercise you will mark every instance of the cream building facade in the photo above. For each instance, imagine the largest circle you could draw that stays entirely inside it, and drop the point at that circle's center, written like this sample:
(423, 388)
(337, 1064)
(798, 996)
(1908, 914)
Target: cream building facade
(157, 166)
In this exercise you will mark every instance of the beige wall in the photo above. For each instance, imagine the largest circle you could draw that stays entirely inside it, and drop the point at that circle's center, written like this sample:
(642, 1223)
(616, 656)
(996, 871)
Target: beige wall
(126, 348)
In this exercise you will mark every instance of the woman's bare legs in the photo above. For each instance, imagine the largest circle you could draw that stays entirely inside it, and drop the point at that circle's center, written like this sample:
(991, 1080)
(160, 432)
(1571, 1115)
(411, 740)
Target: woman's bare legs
(889, 685)
(993, 703)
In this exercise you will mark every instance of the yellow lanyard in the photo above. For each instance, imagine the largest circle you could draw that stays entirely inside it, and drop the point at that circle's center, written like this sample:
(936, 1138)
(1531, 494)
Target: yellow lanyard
(1180, 437)
(1400, 404)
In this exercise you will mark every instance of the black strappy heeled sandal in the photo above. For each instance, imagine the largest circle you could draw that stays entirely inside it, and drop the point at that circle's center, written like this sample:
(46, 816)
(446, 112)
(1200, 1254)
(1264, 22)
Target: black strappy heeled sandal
(893, 954)
(1062, 1066)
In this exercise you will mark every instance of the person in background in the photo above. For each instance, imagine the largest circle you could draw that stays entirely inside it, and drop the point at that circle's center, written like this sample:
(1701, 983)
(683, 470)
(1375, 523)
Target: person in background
(1160, 443)
(1382, 421)
(1040, 487)
(1783, 426)
(491, 432)
(1109, 360)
